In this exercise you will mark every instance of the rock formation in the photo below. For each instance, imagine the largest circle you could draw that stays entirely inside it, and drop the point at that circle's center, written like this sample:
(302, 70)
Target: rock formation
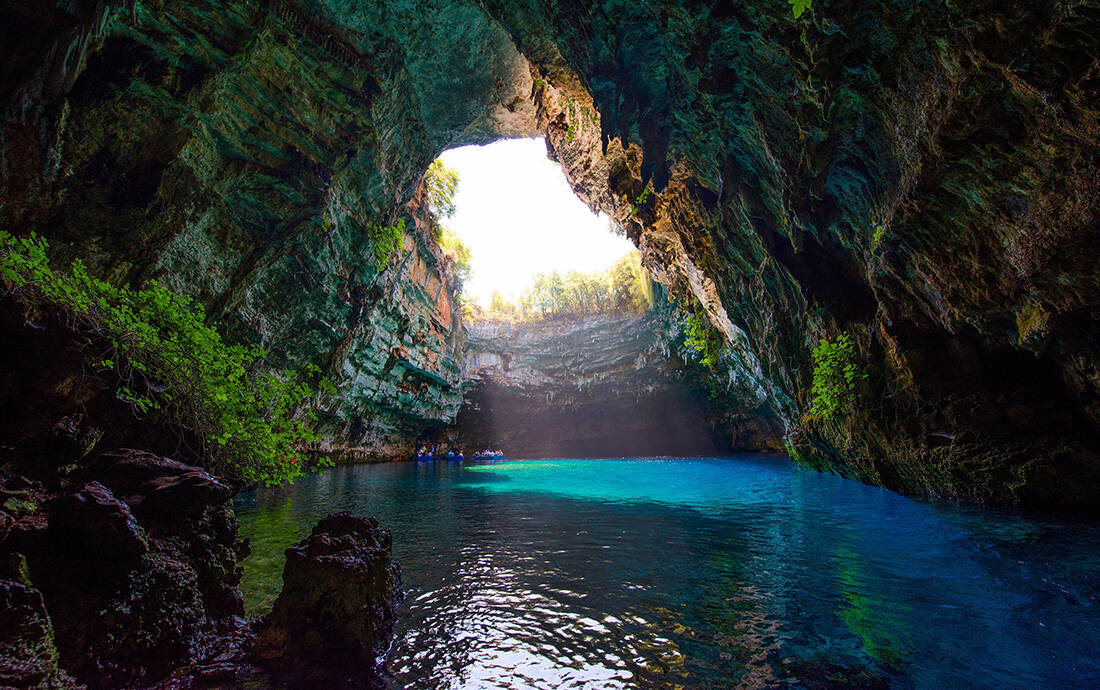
(334, 618)
(921, 176)
(600, 385)
(118, 582)
(120, 567)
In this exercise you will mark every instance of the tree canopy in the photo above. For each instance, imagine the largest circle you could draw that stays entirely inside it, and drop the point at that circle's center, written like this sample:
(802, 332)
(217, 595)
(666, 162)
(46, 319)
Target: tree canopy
(441, 183)
(622, 288)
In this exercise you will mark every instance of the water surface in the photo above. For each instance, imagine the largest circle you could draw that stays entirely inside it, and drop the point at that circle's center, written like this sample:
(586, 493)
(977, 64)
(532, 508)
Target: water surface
(722, 572)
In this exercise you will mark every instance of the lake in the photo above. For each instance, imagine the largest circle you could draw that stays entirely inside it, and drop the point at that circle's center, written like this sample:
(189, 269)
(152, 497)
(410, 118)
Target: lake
(700, 572)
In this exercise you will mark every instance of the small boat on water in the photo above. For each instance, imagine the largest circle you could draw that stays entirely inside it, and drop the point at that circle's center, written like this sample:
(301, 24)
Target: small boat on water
(425, 456)
(488, 455)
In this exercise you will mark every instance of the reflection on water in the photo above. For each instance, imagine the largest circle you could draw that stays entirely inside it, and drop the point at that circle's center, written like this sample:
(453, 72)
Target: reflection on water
(736, 572)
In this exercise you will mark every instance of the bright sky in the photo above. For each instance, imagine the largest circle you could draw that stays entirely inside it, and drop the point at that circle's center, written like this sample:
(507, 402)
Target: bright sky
(518, 216)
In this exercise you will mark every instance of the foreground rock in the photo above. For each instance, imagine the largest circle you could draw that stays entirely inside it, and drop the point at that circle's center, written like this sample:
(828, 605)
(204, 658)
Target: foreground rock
(28, 656)
(119, 573)
(130, 580)
(335, 615)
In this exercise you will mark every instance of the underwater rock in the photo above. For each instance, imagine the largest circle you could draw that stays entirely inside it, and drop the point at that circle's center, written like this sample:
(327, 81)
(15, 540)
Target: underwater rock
(336, 612)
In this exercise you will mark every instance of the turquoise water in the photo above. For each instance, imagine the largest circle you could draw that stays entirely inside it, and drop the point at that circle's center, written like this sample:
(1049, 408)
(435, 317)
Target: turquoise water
(724, 572)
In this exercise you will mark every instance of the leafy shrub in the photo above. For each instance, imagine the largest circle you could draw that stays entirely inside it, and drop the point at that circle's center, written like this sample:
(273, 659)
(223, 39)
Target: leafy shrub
(701, 336)
(170, 364)
(459, 255)
(878, 235)
(799, 6)
(385, 240)
(441, 183)
(836, 374)
(641, 199)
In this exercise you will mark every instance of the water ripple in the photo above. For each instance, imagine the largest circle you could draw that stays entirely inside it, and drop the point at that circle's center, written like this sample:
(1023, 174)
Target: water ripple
(742, 573)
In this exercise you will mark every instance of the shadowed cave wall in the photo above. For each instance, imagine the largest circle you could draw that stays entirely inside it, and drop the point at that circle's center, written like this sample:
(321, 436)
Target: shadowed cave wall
(599, 386)
(921, 175)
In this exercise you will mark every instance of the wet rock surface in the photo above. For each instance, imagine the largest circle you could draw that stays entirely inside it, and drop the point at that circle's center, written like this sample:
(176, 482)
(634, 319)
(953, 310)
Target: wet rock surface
(335, 615)
(132, 584)
(28, 656)
(137, 589)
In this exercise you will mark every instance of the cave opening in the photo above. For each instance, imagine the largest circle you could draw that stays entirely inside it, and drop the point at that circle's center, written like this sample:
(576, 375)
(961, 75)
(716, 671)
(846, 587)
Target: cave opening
(515, 212)
(565, 355)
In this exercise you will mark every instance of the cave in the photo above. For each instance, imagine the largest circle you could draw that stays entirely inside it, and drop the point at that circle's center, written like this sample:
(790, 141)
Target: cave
(871, 232)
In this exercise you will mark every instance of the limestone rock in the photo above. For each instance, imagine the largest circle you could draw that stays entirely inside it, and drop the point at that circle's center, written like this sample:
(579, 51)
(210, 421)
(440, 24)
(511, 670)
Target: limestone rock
(920, 175)
(605, 384)
(98, 523)
(336, 613)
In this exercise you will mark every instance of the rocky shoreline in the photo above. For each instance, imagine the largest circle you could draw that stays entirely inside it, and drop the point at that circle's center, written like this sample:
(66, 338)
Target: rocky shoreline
(124, 573)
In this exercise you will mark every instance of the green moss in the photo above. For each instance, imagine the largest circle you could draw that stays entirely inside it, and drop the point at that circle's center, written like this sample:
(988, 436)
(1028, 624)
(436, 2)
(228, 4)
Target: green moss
(878, 235)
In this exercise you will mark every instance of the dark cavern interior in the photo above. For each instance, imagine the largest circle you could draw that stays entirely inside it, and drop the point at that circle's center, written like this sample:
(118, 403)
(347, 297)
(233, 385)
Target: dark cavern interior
(837, 426)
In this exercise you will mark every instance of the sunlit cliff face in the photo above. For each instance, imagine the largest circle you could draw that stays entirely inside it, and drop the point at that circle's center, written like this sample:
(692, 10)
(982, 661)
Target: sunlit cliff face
(919, 176)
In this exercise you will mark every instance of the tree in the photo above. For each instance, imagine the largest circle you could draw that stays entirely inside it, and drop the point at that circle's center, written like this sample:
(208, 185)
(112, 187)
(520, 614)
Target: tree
(441, 183)
(500, 306)
(459, 254)
(622, 288)
(630, 289)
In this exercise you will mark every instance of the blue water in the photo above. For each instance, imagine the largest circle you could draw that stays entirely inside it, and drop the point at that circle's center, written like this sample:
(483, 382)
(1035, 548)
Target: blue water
(712, 573)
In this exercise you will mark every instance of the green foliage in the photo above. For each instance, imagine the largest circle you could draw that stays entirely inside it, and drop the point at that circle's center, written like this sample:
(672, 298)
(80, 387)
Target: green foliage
(631, 289)
(500, 306)
(836, 373)
(441, 184)
(623, 288)
(701, 335)
(578, 119)
(799, 6)
(170, 364)
(641, 199)
(384, 242)
(878, 235)
(459, 255)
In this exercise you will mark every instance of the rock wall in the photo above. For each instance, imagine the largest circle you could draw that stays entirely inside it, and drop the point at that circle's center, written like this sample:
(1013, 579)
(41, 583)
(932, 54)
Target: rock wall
(120, 567)
(610, 385)
(246, 153)
(921, 175)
